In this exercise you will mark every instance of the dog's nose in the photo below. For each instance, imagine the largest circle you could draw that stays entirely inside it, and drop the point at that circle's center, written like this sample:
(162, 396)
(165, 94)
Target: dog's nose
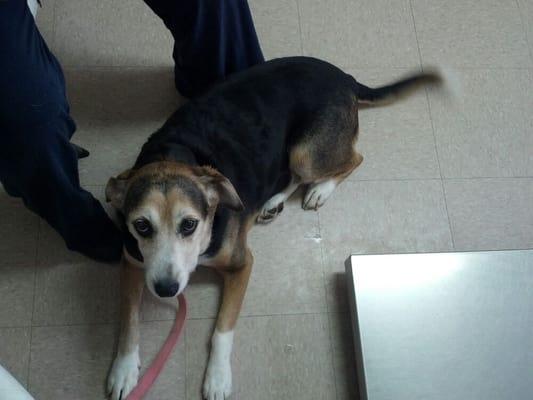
(166, 288)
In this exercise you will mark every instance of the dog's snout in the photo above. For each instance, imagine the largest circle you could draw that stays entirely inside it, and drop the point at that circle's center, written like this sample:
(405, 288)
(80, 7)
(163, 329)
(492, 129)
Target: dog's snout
(166, 288)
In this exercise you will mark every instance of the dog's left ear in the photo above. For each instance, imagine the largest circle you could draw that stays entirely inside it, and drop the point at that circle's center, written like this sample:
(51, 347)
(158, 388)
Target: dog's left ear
(220, 187)
(115, 190)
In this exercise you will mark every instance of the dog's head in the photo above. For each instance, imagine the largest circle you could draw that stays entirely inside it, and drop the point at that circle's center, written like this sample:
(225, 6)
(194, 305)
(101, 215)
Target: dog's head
(169, 209)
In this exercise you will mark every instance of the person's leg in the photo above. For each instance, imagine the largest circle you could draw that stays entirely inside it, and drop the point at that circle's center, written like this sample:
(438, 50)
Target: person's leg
(37, 160)
(213, 39)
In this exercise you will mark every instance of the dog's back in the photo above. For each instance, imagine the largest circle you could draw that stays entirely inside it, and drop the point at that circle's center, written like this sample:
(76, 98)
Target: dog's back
(247, 126)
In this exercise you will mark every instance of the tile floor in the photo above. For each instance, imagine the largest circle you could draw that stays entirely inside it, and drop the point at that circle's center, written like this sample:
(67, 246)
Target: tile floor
(439, 174)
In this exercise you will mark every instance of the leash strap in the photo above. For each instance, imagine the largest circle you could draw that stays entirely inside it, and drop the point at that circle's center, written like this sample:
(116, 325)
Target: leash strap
(157, 365)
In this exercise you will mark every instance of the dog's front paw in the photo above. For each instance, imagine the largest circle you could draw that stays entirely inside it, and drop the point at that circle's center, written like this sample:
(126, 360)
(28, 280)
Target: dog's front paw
(267, 214)
(124, 375)
(217, 383)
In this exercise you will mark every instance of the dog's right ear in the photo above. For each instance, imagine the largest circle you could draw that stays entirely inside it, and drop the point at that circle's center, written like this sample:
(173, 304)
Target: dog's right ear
(115, 190)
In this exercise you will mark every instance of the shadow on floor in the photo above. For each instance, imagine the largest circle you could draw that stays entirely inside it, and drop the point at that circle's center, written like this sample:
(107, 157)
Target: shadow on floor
(343, 339)
(122, 95)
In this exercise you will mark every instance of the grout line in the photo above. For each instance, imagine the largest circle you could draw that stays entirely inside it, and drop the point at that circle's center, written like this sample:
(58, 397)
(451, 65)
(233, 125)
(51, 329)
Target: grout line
(300, 27)
(118, 67)
(54, 24)
(416, 35)
(352, 181)
(100, 323)
(185, 349)
(342, 66)
(35, 265)
(487, 177)
(440, 168)
(356, 180)
(428, 104)
(524, 29)
(452, 233)
(410, 67)
(420, 59)
(330, 329)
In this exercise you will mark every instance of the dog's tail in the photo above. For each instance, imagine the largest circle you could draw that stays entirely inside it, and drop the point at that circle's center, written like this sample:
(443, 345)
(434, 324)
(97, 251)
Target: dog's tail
(395, 91)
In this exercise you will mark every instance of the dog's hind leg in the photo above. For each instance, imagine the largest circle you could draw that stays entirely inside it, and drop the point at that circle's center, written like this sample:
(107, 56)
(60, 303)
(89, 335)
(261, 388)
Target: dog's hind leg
(217, 382)
(325, 153)
(125, 370)
(318, 192)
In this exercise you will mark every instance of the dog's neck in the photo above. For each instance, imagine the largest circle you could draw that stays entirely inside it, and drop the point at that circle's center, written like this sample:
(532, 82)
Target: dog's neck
(172, 152)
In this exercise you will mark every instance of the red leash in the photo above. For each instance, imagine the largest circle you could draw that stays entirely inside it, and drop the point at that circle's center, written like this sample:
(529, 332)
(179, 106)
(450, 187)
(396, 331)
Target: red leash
(151, 374)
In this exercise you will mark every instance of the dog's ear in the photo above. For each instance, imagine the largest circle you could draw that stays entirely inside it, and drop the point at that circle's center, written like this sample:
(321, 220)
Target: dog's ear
(219, 188)
(115, 190)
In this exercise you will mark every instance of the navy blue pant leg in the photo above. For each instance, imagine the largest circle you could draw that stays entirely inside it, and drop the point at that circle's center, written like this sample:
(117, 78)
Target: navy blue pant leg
(37, 161)
(213, 38)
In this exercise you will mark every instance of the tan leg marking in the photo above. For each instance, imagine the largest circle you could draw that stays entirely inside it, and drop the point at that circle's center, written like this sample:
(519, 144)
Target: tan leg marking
(235, 284)
(217, 382)
(131, 290)
(125, 370)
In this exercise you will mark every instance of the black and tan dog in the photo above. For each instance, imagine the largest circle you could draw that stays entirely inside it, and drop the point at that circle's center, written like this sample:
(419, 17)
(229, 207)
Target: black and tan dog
(221, 163)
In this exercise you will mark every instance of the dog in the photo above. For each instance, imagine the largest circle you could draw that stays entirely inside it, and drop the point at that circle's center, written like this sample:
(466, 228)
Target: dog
(220, 164)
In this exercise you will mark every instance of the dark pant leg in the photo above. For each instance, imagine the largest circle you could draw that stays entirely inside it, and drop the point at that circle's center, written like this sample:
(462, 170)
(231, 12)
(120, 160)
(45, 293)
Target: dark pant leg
(213, 38)
(37, 161)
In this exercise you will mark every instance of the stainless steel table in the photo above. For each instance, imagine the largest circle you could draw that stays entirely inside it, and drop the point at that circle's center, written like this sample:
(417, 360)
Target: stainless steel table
(443, 326)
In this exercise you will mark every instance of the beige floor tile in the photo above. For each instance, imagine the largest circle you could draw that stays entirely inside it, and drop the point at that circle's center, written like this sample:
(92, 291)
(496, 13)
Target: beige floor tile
(277, 26)
(113, 149)
(72, 362)
(74, 292)
(397, 141)
(380, 217)
(116, 110)
(360, 34)
(16, 292)
(280, 357)
(71, 288)
(491, 214)
(19, 230)
(155, 309)
(287, 275)
(170, 385)
(471, 33)
(45, 22)
(204, 293)
(485, 131)
(15, 352)
(120, 33)
(343, 356)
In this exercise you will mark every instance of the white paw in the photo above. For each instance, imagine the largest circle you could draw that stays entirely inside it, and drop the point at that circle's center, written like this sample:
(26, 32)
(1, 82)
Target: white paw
(271, 209)
(217, 383)
(124, 375)
(317, 194)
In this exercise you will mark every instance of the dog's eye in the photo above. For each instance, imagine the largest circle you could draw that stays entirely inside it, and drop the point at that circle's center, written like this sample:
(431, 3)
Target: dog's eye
(143, 227)
(188, 226)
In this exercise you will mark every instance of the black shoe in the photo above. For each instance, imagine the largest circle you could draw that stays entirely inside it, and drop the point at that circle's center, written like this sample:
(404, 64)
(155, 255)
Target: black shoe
(80, 151)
